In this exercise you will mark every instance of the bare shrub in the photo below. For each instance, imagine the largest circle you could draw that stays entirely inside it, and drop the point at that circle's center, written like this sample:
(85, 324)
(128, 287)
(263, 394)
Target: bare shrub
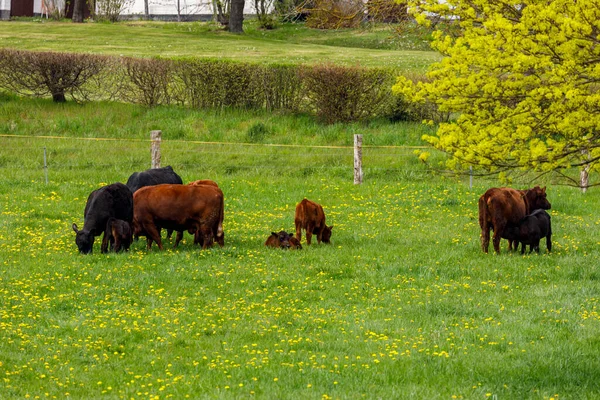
(344, 94)
(335, 14)
(388, 11)
(148, 81)
(110, 10)
(50, 73)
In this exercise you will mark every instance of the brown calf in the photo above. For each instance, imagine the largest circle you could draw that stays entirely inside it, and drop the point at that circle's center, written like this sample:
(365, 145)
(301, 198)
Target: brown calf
(119, 234)
(280, 240)
(310, 217)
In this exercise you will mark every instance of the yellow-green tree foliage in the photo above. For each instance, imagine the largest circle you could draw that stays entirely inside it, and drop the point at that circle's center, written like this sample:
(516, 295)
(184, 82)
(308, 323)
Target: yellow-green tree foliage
(523, 77)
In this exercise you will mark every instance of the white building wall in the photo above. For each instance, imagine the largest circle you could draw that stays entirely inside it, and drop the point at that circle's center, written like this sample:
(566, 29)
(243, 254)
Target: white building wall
(4, 9)
(169, 7)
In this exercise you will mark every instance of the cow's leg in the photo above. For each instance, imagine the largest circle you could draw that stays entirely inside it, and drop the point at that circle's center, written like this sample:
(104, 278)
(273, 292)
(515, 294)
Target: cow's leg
(536, 246)
(117, 246)
(104, 246)
(309, 229)
(319, 236)
(549, 242)
(485, 236)
(298, 230)
(206, 235)
(496, 238)
(523, 247)
(178, 238)
(153, 233)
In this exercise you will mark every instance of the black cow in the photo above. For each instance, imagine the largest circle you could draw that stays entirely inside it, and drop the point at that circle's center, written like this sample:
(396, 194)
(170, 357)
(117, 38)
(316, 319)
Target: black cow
(115, 201)
(152, 177)
(531, 230)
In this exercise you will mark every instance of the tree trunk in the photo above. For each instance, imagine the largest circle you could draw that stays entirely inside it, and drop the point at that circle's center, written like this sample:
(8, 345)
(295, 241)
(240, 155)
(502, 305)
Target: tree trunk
(78, 10)
(146, 9)
(236, 17)
(59, 97)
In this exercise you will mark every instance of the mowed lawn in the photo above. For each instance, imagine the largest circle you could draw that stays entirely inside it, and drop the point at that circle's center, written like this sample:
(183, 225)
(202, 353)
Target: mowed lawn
(402, 304)
(291, 44)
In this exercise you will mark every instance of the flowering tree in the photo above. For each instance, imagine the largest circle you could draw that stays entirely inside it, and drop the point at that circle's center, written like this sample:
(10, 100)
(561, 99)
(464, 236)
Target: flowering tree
(523, 77)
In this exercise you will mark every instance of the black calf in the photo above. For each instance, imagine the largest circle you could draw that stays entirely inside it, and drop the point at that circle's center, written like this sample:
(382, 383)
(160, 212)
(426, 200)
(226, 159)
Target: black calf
(531, 230)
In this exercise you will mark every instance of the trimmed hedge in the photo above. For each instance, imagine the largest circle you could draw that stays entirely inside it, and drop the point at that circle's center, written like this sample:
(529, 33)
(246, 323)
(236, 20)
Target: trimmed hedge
(332, 93)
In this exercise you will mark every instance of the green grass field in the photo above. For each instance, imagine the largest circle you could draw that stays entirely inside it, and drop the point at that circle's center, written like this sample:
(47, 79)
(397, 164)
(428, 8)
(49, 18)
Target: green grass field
(292, 43)
(402, 304)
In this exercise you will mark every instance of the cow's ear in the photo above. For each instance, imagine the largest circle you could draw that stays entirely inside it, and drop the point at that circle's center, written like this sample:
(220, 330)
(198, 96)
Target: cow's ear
(273, 234)
(75, 228)
(331, 227)
(544, 189)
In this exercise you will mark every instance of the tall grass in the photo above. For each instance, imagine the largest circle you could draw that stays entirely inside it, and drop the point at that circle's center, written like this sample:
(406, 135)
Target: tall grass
(402, 304)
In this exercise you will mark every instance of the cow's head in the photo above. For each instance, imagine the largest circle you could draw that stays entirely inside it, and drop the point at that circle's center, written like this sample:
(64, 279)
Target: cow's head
(326, 237)
(284, 239)
(84, 240)
(536, 198)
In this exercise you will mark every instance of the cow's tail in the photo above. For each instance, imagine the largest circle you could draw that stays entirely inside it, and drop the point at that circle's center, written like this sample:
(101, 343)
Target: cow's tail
(484, 223)
(220, 234)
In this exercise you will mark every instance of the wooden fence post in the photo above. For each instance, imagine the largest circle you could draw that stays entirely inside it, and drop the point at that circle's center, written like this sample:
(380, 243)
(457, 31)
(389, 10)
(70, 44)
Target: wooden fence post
(358, 172)
(155, 137)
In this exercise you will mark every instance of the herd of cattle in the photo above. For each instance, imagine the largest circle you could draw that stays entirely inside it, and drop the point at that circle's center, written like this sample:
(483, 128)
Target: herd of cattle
(156, 198)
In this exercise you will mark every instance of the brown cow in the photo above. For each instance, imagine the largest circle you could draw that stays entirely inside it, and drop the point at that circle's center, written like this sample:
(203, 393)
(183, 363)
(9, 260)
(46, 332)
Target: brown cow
(501, 207)
(310, 217)
(202, 182)
(119, 234)
(198, 209)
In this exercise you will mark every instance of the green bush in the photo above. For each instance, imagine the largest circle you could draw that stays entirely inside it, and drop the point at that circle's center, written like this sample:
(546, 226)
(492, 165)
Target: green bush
(333, 93)
(343, 94)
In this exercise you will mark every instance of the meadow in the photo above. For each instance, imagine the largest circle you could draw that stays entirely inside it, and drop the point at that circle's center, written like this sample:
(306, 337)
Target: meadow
(402, 304)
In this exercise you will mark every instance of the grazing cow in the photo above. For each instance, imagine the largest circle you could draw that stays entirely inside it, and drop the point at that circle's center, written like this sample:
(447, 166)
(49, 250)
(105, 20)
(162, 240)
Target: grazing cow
(109, 201)
(119, 234)
(501, 207)
(152, 177)
(310, 217)
(531, 230)
(280, 240)
(197, 209)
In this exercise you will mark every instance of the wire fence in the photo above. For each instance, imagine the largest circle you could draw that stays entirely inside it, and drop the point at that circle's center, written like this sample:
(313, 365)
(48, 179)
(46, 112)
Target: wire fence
(53, 154)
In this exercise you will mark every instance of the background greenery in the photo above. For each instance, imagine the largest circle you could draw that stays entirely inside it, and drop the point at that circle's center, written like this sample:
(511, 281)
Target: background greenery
(402, 304)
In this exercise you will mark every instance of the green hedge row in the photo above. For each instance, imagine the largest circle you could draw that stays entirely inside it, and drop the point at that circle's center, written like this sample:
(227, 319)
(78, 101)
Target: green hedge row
(332, 93)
